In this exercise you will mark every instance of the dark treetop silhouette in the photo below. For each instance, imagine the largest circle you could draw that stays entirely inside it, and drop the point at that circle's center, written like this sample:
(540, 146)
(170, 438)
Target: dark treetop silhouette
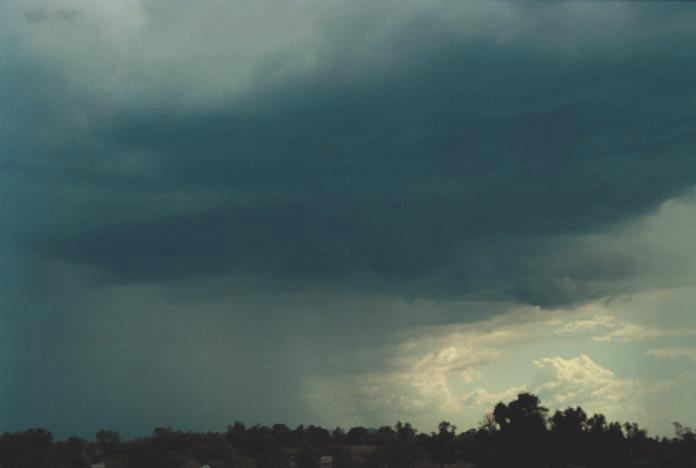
(517, 434)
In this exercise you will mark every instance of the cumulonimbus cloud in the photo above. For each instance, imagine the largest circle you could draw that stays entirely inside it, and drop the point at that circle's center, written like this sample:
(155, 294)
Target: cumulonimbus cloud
(459, 165)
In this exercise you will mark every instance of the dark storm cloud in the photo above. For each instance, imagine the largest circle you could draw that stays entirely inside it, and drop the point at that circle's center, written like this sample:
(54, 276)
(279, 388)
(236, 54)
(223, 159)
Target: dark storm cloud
(426, 162)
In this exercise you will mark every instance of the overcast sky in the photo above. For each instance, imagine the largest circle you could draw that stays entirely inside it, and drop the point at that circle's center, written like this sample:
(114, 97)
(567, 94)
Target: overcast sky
(344, 213)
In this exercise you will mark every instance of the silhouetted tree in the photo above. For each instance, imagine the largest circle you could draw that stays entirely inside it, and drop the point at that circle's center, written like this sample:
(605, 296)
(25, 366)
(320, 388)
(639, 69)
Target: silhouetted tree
(568, 428)
(235, 433)
(517, 434)
(684, 434)
(523, 431)
(282, 434)
(71, 453)
(107, 442)
(338, 436)
(317, 436)
(357, 436)
(307, 456)
(28, 449)
(442, 446)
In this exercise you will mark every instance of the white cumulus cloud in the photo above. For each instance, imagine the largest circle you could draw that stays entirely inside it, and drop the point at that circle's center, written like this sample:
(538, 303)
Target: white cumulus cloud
(581, 381)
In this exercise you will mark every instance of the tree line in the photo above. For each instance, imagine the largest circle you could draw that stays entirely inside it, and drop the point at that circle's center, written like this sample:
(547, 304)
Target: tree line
(520, 433)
